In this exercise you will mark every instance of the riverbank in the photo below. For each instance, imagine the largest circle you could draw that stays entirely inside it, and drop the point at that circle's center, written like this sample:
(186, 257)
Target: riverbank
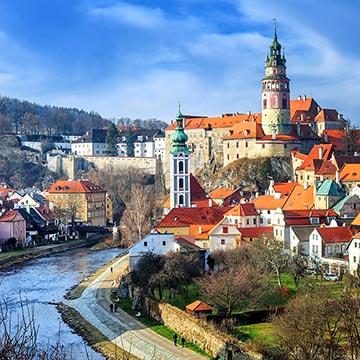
(16, 257)
(125, 333)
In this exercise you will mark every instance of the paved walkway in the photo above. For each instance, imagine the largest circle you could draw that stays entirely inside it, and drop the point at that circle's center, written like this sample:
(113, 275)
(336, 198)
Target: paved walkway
(119, 327)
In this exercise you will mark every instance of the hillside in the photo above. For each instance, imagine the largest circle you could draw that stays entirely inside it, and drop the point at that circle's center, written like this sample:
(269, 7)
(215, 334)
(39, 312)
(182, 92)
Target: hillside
(249, 174)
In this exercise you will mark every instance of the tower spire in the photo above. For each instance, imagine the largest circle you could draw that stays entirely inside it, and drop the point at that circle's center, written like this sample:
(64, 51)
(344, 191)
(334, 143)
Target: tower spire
(275, 26)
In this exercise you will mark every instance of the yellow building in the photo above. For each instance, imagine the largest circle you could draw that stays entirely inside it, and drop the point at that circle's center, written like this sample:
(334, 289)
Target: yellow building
(80, 201)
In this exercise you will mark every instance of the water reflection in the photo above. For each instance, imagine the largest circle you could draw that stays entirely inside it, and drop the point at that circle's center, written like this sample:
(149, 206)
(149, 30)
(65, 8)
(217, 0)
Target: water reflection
(42, 281)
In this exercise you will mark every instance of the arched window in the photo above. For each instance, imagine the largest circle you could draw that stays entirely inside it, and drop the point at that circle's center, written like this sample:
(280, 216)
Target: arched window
(181, 184)
(181, 167)
(181, 200)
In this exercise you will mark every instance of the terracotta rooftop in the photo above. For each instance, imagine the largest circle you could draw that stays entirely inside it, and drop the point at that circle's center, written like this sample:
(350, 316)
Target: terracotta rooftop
(247, 209)
(318, 152)
(184, 217)
(198, 305)
(268, 202)
(335, 234)
(256, 231)
(300, 198)
(75, 186)
(8, 215)
(350, 172)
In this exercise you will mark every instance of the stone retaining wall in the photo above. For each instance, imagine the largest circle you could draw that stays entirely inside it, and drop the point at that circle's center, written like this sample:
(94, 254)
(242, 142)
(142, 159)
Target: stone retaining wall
(201, 333)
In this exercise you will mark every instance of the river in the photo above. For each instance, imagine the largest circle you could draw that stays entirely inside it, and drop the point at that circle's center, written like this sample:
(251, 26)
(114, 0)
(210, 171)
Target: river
(41, 282)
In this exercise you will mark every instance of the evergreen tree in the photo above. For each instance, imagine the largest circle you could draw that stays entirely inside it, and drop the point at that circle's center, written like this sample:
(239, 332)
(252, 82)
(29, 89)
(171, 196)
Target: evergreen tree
(129, 138)
(111, 140)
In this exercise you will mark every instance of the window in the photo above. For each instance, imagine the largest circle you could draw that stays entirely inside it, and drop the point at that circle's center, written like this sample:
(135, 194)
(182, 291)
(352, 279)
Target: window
(181, 184)
(181, 167)
(261, 220)
(284, 103)
(254, 221)
(268, 221)
(355, 244)
(354, 259)
(268, 211)
(246, 144)
(263, 146)
(222, 241)
(164, 243)
(225, 229)
(181, 200)
(264, 104)
(247, 222)
(145, 243)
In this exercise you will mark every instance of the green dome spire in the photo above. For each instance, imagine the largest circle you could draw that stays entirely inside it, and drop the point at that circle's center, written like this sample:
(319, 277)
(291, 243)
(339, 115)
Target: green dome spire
(274, 57)
(179, 138)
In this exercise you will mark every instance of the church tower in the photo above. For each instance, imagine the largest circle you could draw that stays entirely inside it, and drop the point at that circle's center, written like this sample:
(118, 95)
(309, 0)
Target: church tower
(179, 167)
(275, 92)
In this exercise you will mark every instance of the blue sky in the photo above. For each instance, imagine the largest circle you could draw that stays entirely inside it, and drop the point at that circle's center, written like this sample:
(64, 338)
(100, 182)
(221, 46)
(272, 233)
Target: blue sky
(138, 59)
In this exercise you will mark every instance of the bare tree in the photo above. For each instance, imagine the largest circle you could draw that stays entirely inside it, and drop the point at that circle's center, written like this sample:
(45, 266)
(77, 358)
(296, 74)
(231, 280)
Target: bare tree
(136, 221)
(271, 253)
(231, 288)
(317, 326)
(19, 337)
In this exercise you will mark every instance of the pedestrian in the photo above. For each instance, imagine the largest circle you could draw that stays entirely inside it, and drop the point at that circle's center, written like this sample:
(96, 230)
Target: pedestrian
(182, 341)
(111, 269)
(175, 339)
(111, 307)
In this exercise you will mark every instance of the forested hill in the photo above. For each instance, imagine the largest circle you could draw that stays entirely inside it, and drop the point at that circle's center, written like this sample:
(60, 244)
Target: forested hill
(23, 117)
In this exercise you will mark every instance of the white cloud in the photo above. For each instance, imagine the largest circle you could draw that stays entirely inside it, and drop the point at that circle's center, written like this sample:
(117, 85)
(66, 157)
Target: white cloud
(139, 16)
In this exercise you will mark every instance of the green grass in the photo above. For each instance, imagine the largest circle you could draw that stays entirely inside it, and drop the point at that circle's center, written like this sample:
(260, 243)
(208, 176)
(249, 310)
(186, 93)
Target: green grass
(150, 323)
(261, 331)
(4, 255)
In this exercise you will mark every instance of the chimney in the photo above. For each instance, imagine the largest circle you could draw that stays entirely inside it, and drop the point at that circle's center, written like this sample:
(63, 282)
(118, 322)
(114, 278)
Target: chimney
(321, 152)
(299, 97)
(304, 97)
(340, 117)
(210, 202)
(326, 138)
(337, 176)
(273, 133)
(200, 230)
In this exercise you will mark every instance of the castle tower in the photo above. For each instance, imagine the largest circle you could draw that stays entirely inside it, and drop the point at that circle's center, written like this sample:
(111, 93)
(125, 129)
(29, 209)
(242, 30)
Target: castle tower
(275, 92)
(179, 167)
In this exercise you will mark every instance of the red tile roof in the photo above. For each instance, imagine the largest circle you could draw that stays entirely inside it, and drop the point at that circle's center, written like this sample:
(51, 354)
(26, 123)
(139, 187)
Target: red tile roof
(284, 188)
(350, 172)
(223, 121)
(9, 216)
(247, 209)
(267, 202)
(300, 198)
(303, 104)
(184, 217)
(198, 305)
(200, 232)
(313, 161)
(327, 115)
(221, 193)
(335, 234)
(255, 231)
(74, 186)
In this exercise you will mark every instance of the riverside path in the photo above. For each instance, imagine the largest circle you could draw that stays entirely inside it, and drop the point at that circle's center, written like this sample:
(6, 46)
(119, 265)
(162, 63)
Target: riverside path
(122, 329)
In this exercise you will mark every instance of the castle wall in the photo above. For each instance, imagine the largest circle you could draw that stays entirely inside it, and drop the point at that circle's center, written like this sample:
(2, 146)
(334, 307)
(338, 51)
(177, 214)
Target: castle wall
(201, 333)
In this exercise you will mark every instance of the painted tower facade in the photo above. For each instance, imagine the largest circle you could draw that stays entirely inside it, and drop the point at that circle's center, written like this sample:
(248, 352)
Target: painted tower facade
(179, 167)
(275, 92)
